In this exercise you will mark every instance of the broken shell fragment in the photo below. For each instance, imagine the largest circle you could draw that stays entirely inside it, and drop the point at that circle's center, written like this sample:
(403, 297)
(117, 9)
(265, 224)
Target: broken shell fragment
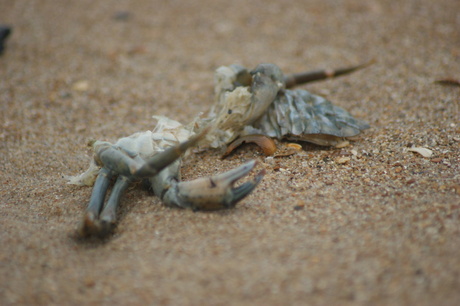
(290, 149)
(342, 160)
(422, 151)
(81, 86)
(294, 146)
(267, 144)
(342, 144)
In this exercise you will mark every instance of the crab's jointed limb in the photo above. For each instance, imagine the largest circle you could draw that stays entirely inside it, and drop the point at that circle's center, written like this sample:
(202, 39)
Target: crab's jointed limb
(296, 79)
(163, 171)
(207, 193)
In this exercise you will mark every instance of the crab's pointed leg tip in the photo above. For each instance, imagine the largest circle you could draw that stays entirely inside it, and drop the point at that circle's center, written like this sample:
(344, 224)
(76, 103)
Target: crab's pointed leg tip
(242, 191)
(235, 174)
(245, 189)
(247, 167)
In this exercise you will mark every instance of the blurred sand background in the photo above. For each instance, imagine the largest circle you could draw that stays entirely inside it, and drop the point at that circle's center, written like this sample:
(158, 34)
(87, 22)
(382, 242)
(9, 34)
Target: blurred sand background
(380, 229)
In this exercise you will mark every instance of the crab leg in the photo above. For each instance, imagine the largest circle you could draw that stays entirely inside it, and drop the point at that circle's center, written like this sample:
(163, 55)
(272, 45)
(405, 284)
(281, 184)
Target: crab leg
(128, 165)
(98, 195)
(296, 79)
(108, 214)
(161, 160)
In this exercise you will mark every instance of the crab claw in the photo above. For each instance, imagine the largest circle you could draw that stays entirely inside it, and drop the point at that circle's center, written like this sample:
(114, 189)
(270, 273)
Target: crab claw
(100, 220)
(217, 192)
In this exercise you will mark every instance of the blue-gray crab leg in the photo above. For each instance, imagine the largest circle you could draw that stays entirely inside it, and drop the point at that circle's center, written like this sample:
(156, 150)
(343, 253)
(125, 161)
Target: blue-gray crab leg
(109, 213)
(99, 191)
(127, 165)
(96, 202)
(161, 160)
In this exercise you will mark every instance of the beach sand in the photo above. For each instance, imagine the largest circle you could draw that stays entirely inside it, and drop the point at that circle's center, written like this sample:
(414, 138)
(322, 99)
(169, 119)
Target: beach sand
(369, 224)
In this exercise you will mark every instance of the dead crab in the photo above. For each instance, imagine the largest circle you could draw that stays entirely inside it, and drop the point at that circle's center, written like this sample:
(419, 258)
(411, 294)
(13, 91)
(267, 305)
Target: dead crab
(247, 102)
(155, 156)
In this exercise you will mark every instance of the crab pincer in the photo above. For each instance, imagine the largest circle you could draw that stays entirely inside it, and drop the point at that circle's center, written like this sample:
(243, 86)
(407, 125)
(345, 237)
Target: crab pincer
(215, 192)
(100, 220)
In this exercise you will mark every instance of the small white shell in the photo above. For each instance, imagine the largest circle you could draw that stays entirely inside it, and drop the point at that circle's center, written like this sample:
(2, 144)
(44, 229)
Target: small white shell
(422, 151)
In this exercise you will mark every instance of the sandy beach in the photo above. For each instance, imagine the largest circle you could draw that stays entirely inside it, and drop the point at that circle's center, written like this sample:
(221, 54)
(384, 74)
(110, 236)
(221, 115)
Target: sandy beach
(372, 223)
